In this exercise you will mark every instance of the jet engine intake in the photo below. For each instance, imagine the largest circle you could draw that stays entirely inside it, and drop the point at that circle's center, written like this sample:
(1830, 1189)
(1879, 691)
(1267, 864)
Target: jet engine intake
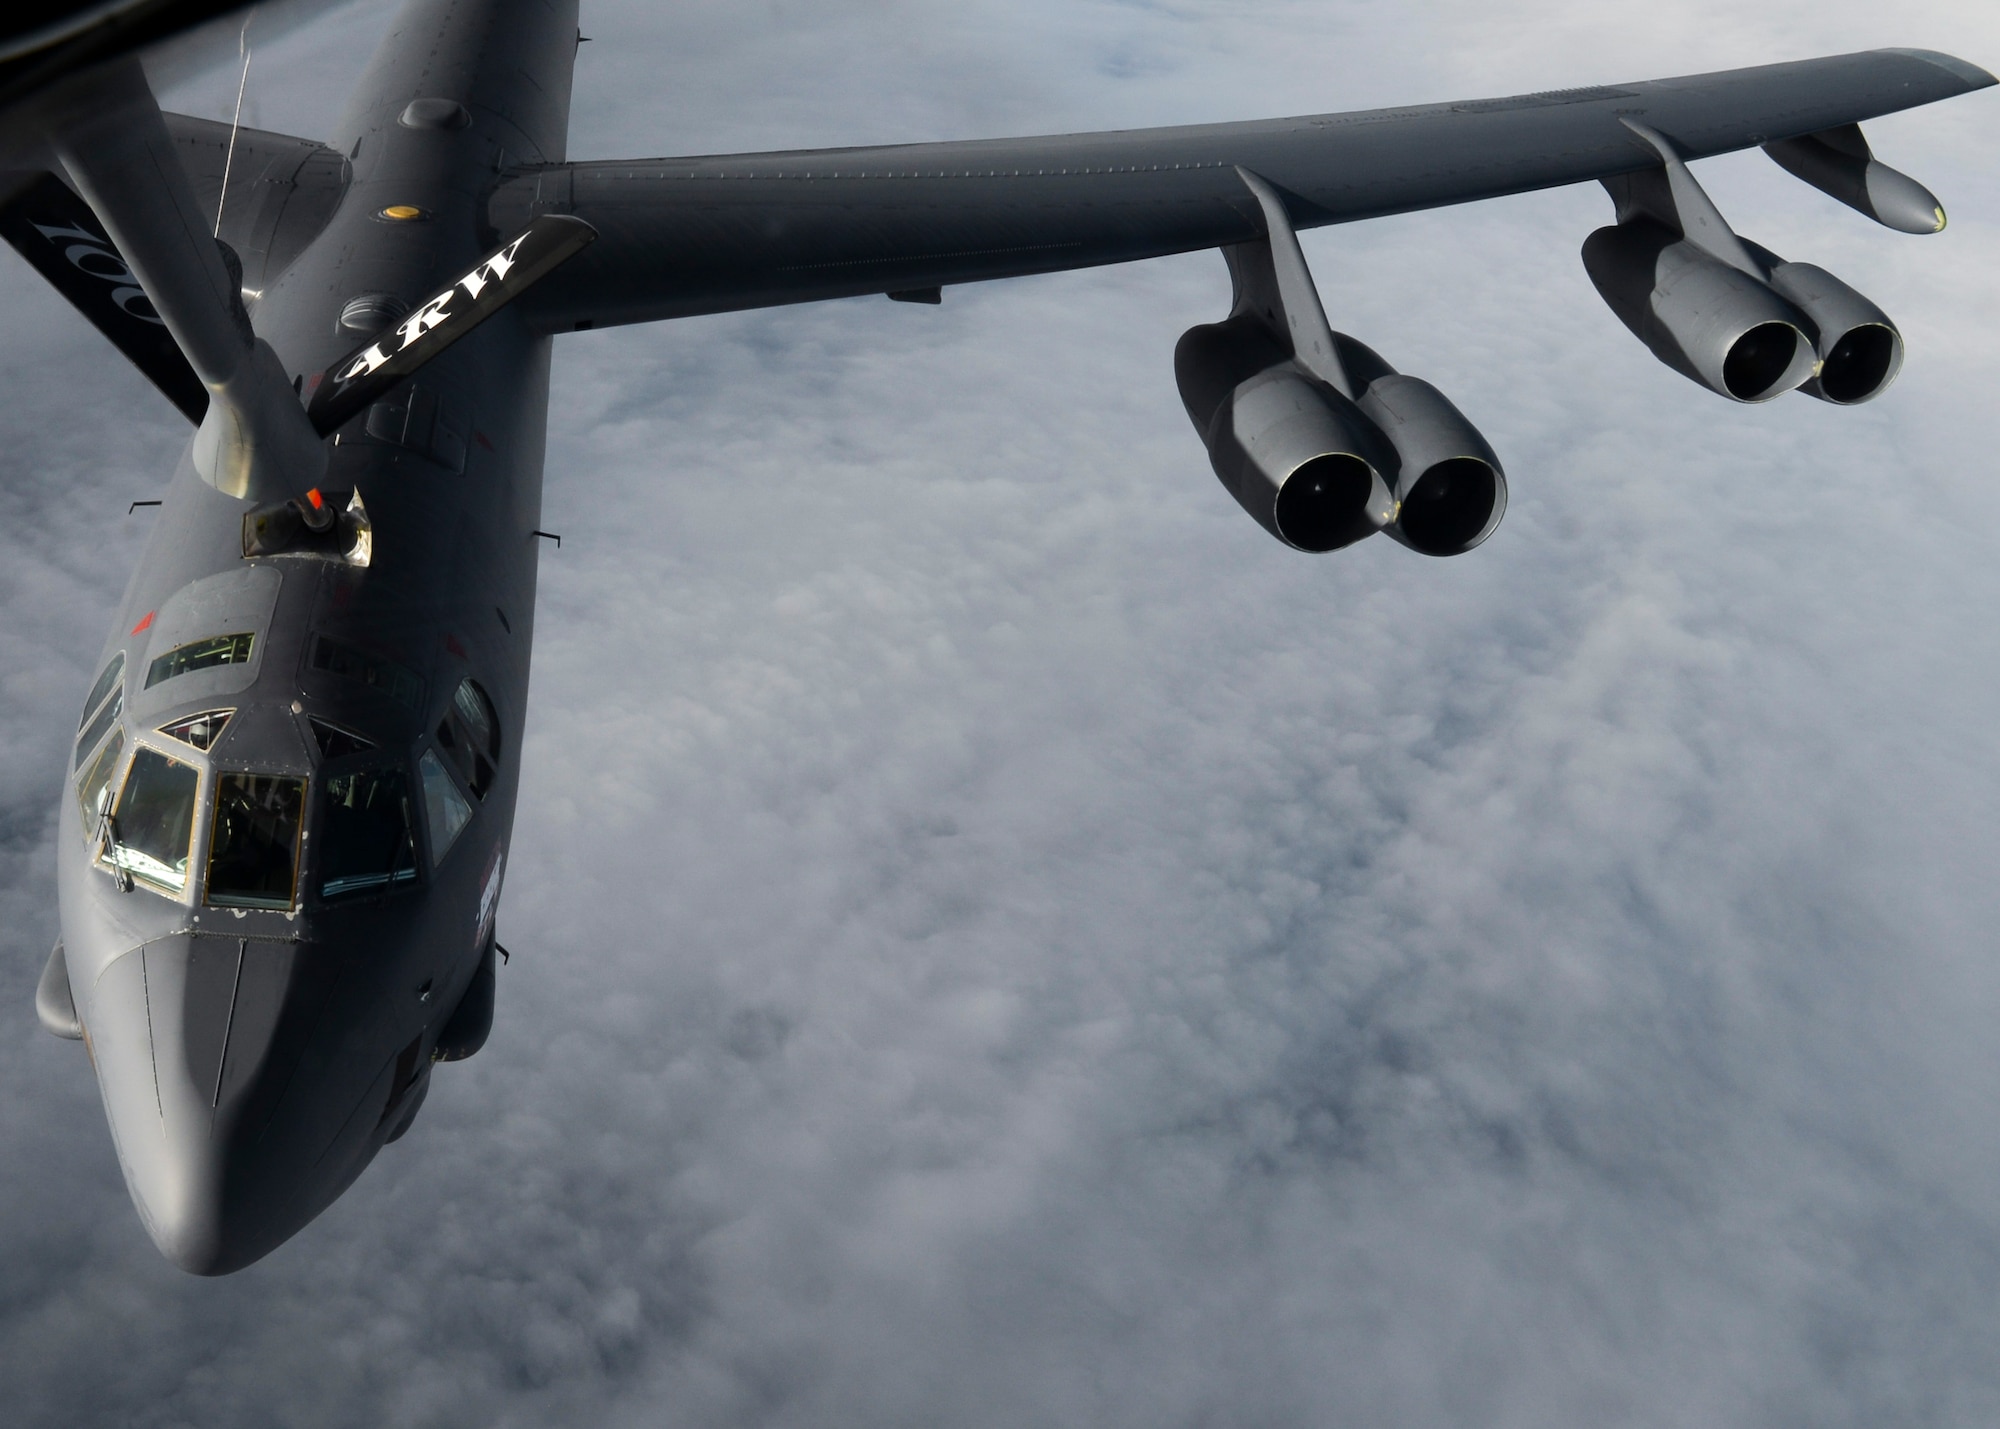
(1294, 453)
(1860, 350)
(1319, 471)
(1700, 316)
(1450, 490)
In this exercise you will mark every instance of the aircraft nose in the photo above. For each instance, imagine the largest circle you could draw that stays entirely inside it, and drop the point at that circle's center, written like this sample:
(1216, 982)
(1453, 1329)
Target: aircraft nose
(195, 1037)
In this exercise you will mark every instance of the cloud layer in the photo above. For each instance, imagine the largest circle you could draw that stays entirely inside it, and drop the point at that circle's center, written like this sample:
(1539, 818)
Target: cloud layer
(999, 940)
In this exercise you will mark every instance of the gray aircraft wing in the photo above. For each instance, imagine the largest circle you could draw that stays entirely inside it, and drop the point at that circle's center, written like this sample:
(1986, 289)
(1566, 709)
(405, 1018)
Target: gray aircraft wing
(281, 190)
(718, 233)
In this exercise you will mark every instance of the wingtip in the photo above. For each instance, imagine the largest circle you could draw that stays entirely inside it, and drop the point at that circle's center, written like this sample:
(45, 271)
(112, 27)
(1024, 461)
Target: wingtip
(1971, 74)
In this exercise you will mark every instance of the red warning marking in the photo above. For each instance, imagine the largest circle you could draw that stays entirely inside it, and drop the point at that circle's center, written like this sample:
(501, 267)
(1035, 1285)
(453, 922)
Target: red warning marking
(451, 644)
(146, 622)
(480, 437)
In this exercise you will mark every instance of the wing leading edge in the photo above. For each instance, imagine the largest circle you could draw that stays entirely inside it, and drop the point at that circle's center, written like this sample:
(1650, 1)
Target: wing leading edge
(713, 234)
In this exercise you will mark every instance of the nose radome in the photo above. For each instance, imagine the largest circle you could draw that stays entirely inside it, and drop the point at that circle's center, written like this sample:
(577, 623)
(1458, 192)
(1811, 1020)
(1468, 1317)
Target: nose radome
(189, 1032)
(163, 1128)
(180, 1200)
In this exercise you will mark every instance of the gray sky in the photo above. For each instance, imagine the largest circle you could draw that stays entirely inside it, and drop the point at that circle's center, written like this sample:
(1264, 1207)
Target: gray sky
(999, 940)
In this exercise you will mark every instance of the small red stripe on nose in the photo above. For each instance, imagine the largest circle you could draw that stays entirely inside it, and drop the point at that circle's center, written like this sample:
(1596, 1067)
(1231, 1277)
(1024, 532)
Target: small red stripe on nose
(146, 622)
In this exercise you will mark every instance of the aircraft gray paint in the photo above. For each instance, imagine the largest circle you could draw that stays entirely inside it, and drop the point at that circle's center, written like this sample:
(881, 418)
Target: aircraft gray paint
(286, 817)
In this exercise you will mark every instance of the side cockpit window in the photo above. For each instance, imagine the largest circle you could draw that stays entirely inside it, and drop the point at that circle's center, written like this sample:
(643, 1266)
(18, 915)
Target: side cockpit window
(150, 831)
(253, 845)
(101, 709)
(365, 843)
(93, 791)
(94, 731)
(469, 735)
(445, 811)
(98, 691)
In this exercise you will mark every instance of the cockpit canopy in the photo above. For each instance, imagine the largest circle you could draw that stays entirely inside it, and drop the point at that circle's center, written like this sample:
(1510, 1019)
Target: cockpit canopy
(366, 840)
(143, 804)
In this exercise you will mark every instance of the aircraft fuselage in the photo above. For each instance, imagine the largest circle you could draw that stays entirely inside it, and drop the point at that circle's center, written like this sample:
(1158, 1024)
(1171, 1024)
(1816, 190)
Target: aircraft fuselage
(266, 938)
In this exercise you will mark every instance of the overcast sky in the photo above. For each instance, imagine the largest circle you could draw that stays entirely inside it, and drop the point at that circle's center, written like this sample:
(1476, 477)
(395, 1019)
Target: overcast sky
(1001, 941)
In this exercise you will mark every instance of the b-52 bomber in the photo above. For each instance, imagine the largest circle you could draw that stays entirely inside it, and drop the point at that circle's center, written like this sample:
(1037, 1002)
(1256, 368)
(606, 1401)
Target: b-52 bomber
(286, 808)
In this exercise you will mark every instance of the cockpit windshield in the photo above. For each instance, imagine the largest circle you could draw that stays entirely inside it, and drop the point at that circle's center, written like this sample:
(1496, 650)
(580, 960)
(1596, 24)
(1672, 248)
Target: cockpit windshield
(253, 845)
(365, 842)
(153, 825)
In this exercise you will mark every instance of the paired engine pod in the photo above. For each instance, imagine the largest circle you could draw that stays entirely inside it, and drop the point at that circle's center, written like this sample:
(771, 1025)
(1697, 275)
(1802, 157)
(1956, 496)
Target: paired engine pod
(1294, 453)
(1295, 441)
(1700, 316)
(1450, 491)
(1860, 350)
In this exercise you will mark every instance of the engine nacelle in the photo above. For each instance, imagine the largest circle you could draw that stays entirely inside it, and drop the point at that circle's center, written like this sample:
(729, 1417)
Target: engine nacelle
(1450, 491)
(1702, 317)
(1860, 350)
(1294, 453)
(1319, 471)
